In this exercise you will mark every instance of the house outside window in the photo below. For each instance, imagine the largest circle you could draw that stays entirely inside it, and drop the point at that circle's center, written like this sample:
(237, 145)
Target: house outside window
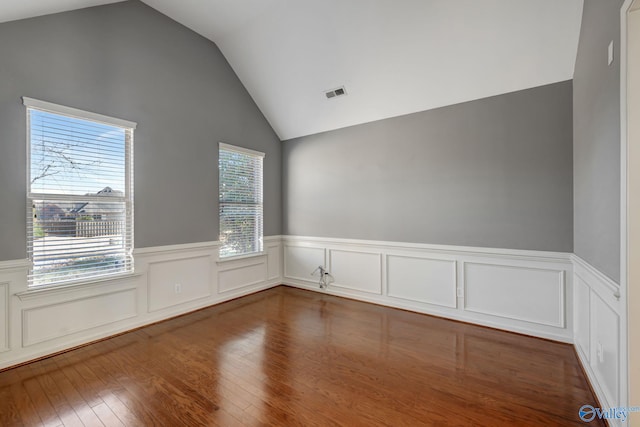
(240, 200)
(80, 194)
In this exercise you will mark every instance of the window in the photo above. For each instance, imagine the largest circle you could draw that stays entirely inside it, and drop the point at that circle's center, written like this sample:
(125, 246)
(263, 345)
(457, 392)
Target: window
(80, 194)
(240, 200)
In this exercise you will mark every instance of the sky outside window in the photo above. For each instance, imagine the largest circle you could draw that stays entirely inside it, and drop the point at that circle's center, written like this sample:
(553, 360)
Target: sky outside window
(75, 156)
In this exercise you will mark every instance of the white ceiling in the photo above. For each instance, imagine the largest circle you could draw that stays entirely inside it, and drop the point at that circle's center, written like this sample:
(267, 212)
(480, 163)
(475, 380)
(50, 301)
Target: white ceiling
(393, 56)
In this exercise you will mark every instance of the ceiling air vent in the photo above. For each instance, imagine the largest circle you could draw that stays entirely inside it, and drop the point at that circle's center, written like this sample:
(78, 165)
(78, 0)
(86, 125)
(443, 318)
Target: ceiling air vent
(334, 93)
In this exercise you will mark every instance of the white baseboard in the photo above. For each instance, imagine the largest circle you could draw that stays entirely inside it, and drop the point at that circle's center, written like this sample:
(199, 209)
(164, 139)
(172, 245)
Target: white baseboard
(528, 292)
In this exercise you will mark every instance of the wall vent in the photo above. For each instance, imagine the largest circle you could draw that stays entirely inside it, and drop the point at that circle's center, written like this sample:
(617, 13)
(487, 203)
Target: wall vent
(334, 93)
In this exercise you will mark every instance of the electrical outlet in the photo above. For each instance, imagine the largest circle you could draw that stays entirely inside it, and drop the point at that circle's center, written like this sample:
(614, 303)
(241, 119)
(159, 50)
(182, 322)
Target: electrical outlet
(610, 53)
(178, 288)
(460, 292)
(600, 352)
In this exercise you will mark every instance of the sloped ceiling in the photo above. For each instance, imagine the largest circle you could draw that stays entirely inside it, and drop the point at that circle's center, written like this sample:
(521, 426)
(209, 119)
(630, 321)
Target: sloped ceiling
(394, 57)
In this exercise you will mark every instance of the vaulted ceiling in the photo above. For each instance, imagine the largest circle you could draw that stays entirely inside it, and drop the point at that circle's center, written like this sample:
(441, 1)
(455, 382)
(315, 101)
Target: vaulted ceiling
(393, 57)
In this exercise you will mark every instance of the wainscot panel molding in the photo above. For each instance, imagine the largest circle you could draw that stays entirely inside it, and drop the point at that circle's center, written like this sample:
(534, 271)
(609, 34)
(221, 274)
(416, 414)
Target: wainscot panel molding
(534, 295)
(241, 273)
(37, 324)
(529, 292)
(168, 281)
(421, 279)
(300, 261)
(275, 259)
(178, 281)
(359, 271)
(597, 332)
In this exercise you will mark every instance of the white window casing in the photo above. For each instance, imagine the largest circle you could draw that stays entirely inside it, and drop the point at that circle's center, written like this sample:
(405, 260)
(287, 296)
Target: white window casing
(79, 194)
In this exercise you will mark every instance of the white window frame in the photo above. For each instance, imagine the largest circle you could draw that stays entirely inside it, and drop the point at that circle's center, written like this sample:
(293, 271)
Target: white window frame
(127, 198)
(258, 237)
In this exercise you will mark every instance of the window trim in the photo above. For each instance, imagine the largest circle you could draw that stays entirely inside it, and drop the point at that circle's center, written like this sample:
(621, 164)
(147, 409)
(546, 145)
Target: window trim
(241, 150)
(261, 156)
(127, 199)
(75, 112)
(241, 257)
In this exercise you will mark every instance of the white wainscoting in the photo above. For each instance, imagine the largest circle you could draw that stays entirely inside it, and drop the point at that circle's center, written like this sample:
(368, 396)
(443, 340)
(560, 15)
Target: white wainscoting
(597, 333)
(274, 259)
(179, 281)
(4, 316)
(40, 322)
(528, 292)
(582, 313)
(13, 276)
(300, 261)
(356, 270)
(239, 274)
(426, 280)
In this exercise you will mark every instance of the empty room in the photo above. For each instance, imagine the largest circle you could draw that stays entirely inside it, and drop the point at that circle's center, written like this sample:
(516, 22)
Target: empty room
(356, 212)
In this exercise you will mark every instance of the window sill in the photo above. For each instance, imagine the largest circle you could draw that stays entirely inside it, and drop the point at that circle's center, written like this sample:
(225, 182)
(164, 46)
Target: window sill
(44, 290)
(241, 257)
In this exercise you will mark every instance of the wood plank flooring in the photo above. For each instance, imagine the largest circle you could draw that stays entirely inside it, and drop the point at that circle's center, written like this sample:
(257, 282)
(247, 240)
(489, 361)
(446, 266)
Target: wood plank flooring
(291, 357)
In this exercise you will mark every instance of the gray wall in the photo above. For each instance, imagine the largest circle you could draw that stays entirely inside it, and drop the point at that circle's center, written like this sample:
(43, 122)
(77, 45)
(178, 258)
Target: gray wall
(129, 61)
(596, 106)
(495, 172)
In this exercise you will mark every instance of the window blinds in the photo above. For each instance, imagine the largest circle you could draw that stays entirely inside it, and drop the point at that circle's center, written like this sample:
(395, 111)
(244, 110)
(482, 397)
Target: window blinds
(240, 200)
(80, 210)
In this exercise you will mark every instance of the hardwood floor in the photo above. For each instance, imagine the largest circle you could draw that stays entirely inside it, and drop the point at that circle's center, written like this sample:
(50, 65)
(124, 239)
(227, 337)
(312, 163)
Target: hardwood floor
(292, 357)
